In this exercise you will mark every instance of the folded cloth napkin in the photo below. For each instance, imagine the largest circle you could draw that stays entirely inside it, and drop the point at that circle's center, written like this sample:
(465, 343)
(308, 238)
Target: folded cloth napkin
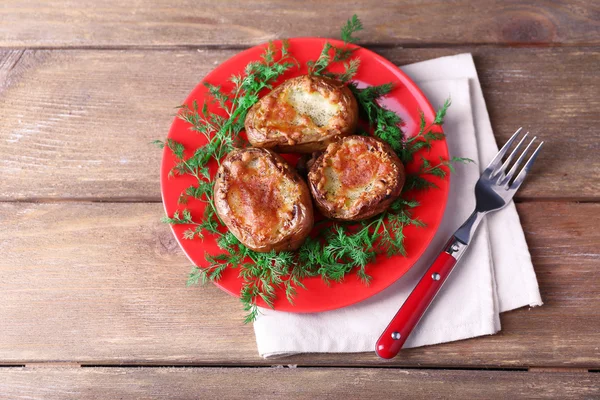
(494, 276)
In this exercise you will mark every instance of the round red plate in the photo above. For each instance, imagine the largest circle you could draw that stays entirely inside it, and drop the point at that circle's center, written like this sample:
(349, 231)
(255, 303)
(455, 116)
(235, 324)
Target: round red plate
(406, 99)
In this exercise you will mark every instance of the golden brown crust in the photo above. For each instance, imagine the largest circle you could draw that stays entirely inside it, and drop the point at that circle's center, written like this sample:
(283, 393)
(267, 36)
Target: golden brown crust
(262, 200)
(356, 178)
(302, 115)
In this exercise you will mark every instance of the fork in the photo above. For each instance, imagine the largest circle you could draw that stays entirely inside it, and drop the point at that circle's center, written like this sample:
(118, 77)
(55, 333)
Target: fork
(494, 190)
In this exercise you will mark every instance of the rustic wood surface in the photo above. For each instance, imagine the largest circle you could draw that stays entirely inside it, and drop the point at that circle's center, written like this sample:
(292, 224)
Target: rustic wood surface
(283, 383)
(88, 116)
(103, 283)
(90, 277)
(72, 23)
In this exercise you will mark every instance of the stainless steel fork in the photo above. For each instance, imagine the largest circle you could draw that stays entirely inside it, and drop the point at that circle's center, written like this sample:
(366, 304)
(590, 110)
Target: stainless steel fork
(494, 190)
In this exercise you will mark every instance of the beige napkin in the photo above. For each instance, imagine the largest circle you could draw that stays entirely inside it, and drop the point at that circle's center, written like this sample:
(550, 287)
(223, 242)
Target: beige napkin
(494, 276)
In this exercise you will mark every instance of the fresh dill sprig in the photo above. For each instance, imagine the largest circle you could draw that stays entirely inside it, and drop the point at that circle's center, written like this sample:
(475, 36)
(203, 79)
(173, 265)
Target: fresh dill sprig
(322, 62)
(427, 133)
(350, 69)
(352, 26)
(385, 123)
(442, 168)
(339, 248)
(179, 219)
(340, 53)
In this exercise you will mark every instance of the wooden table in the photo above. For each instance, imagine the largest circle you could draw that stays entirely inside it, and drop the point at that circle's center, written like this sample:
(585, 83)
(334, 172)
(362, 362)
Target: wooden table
(92, 285)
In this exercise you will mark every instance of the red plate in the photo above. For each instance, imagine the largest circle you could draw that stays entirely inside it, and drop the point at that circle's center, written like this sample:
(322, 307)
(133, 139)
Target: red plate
(406, 99)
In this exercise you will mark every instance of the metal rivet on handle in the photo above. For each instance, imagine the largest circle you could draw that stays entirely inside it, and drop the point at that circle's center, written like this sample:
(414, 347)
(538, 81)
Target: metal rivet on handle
(435, 276)
(396, 335)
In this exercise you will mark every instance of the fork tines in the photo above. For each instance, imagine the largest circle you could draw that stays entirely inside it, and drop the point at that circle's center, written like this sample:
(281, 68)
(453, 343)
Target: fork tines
(497, 169)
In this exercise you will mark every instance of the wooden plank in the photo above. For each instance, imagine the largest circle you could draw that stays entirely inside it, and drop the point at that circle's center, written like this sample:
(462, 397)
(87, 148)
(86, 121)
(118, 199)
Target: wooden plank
(167, 23)
(99, 283)
(8, 60)
(88, 116)
(297, 383)
(90, 122)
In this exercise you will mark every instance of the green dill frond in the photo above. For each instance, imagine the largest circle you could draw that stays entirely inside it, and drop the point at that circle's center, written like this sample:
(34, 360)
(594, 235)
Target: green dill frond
(417, 182)
(183, 199)
(177, 148)
(189, 234)
(210, 225)
(363, 276)
(320, 64)
(204, 190)
(442, 168)
(352, 26)
(179, 218)
(351, 68)
(216, 94)
(204, 275)
(441, 113)
(285, 46)
(196, 276)
(252, 310)
(459, 160)
(386, 124)
(341, 53)
(403, 204)
(268, 55)
(248, 298)
(158, 143)
(426, 136)
(371, 93)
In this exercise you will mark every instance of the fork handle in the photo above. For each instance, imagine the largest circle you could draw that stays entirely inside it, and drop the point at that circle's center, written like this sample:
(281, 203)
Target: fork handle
(393, 337)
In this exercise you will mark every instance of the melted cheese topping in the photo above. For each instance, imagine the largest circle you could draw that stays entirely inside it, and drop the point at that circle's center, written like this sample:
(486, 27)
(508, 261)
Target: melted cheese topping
(313, 105)
(261, 198)
(354, 172)
(298, 112)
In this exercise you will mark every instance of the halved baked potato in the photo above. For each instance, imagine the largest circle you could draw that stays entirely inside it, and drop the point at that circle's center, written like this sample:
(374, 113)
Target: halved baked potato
(262, 200)
(302, 115)
(356, 178)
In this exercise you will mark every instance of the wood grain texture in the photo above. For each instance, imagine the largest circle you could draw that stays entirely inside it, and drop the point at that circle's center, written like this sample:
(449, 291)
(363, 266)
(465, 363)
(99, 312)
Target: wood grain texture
(8, 60)
(283, 383)
(97, 283)
(184, 22)
(77, 124)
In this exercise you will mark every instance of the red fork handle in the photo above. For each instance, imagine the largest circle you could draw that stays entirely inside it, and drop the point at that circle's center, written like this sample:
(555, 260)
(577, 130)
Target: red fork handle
(393, 337)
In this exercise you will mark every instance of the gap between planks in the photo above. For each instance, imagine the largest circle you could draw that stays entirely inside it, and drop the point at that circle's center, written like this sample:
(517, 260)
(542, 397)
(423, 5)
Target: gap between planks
(369, 45)
(52, 365)
(199, 366)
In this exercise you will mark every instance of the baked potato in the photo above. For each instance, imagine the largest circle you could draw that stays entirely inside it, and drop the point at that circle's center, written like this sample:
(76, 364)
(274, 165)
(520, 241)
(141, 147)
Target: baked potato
(302, 115)
(356, 178)
(262, 200)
